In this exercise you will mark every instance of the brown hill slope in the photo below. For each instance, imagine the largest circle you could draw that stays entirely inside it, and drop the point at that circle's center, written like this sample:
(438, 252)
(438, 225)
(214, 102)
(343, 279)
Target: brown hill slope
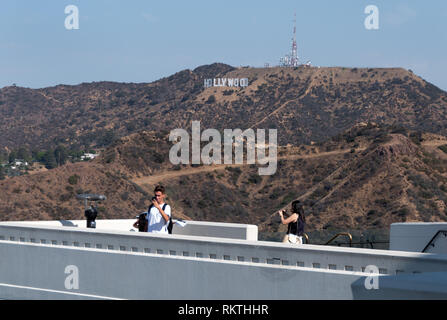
(392, 180)
(51, 194)
(367, 177)
(305, 104)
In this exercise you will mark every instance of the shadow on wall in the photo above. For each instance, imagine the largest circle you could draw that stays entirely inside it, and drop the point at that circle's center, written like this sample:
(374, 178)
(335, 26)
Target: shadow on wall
(67, 223)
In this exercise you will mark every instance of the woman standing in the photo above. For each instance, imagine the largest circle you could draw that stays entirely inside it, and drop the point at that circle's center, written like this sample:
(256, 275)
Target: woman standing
(295, 223)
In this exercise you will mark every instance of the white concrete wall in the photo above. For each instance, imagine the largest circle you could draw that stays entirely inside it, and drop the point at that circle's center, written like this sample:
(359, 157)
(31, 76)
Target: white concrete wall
(123, 264)
(38, 271)
(218, 230)
(313, 256)
(194, 228)
(415, 236)
(34, 271)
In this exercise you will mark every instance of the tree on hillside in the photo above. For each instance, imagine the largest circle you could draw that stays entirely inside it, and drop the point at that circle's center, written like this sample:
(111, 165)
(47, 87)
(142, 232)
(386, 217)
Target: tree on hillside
(211, 99)
(3, 156)
(39, 156)
(61, 155)
(24, 154)
(49, 159)
(106, 138)
(12, 156)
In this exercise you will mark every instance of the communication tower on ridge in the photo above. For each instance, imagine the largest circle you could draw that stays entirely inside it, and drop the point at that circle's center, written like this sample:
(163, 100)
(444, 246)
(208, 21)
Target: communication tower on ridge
(295, 60)
(291, 60)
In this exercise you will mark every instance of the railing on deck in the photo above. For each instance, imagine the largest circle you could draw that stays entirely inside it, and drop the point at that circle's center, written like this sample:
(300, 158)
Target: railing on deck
(346, 234)
(432, 241)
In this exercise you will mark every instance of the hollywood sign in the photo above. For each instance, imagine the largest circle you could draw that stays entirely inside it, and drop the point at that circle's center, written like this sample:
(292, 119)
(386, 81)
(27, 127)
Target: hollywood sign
(226, 82)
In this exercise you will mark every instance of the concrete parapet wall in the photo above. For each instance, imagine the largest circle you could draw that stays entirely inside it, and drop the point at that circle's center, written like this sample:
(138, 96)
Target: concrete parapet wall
(38, 272)
(218, 230)
(192, 228)
(131, 265)
(312, 256)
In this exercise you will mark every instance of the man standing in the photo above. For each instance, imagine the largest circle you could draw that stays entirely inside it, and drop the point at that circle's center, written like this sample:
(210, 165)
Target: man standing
(159, 212)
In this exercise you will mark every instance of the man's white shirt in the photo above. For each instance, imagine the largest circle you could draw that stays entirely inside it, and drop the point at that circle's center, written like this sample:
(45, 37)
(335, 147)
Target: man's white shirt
(156, 223)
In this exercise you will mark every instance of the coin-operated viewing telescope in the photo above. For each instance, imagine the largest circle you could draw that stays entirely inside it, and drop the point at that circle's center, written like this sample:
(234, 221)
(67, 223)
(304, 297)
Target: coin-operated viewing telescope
(91, 211)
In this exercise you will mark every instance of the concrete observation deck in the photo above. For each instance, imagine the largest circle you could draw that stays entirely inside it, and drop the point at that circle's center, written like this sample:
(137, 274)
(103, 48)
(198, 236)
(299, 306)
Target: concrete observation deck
(203, 260)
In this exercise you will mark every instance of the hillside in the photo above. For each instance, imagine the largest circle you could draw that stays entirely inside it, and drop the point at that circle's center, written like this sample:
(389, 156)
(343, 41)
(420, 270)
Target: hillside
(305, 104)
(365, 178)
(362, 148)
(51, 194)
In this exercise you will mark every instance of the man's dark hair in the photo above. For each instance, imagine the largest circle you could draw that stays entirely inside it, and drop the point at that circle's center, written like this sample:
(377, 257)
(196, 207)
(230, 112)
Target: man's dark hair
(159, 188)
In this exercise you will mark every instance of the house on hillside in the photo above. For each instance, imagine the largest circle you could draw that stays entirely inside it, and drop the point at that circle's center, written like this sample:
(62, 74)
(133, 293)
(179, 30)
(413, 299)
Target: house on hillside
(89, 156)
(20, 162)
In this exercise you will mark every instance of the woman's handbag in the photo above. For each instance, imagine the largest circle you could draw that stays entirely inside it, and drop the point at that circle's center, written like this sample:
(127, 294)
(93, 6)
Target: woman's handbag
(293, 238)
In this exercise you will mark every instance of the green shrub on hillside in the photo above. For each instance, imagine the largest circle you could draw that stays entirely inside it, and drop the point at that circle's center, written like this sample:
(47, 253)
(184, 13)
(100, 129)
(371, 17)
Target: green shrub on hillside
(74, 179)
(443, 148)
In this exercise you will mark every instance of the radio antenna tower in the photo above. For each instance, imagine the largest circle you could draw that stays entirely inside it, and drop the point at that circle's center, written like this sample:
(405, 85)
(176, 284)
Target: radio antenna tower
(291, 59)
(294, 59)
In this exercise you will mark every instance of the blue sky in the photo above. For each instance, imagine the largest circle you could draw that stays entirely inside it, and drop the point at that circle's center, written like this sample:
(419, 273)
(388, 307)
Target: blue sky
(142, 41)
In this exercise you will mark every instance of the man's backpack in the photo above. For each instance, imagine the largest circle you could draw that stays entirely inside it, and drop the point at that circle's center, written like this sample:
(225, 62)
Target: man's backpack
(170, 225)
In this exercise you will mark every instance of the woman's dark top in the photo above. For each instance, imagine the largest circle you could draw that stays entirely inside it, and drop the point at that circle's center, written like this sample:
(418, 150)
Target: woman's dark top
(296, 227)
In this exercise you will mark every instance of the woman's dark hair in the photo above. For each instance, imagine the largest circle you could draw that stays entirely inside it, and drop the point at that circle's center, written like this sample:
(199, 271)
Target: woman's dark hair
(297, 207)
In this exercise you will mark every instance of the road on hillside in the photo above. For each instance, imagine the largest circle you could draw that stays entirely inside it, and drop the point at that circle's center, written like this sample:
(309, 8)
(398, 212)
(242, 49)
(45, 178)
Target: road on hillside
(166, 175)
